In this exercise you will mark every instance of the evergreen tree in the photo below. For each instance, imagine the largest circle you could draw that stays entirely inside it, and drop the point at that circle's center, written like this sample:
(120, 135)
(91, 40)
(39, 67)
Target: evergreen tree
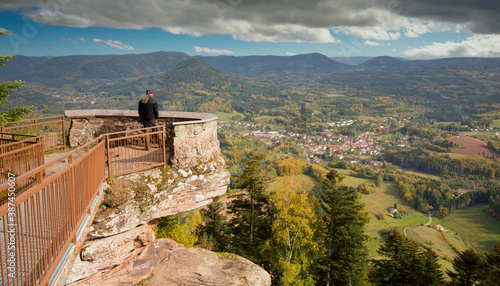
(467, 266)
(344, 262)
(15, 113)
(400, 265)
(251, 215)
(214, 226)
(491, 275)
(404, 263)
(432, 270)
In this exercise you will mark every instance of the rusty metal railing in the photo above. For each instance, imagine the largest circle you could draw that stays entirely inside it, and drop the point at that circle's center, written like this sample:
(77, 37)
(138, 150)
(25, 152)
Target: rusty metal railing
(51, 128)
(38, 224)
(135, 150)
(19, 157)
(42, 208)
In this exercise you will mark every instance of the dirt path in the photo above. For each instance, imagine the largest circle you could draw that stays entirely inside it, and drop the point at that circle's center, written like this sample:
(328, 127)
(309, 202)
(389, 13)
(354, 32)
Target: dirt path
(427, 224)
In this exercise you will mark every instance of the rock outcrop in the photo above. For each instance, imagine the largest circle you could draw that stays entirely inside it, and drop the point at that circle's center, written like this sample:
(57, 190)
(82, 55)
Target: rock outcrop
(121, 248)
(138, 198)
(136, 257)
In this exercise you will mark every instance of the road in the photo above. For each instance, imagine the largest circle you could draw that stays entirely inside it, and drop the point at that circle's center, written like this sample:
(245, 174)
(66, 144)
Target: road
(427, 224)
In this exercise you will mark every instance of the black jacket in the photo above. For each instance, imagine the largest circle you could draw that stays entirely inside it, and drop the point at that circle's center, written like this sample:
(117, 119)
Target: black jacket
(148, 111)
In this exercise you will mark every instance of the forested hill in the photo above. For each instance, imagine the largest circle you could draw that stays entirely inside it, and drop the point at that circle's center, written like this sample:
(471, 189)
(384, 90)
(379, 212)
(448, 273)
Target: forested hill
(277, 68)
(80, 71)
(193, 83)
(108, 80)
(67, 70)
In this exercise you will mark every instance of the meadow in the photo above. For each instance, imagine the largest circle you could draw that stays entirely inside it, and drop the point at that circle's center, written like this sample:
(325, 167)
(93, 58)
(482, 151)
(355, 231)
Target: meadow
(467, 228)
(475, 226)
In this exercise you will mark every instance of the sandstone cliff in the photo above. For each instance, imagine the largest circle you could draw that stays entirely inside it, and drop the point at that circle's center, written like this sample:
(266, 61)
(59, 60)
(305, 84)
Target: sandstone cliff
(139, 198)
(136, 257)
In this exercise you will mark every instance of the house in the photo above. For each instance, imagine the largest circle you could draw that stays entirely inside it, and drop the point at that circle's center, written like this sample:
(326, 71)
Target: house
(439, 227)
(393, 211)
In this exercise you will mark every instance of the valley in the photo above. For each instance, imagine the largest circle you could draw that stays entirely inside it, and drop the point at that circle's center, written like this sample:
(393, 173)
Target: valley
(420, 137)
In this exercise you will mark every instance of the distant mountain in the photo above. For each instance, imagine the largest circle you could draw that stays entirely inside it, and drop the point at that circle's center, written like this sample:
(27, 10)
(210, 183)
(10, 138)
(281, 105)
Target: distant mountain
(195, 70)
(58, 71)
(192, 75)
(352, 61)
(277, 68)
(474, 64)
(384, 63)
(20, 64)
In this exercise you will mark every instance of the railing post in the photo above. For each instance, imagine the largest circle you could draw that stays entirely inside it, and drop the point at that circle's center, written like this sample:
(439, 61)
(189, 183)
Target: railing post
(63, 133)
(163, 146)
(106, 136)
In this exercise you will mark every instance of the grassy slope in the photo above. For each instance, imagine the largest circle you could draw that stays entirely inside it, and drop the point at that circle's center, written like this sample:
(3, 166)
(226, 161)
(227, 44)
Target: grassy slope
(384, 197)
(495, 123)
(474, 227)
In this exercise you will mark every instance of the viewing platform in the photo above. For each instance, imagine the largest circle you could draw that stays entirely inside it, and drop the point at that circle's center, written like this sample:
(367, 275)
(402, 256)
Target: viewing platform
(190, 137)
(49, 210)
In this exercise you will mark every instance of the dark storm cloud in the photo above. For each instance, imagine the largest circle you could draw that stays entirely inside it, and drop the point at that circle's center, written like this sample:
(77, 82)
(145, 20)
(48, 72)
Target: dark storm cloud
(264, 20)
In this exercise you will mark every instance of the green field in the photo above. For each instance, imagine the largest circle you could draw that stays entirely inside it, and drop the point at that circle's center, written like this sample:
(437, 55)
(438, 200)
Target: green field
(444, 243)
(468, 228)
(225, 116)
(334, 95)
(495, 124)
(422, 174)
(455, 155)
(475, 226)
(376, 203)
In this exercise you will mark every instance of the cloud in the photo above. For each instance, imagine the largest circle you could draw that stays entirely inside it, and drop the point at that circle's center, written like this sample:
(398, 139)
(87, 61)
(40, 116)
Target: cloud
(212, 51)
(68, 40)
(82, 40)
(113, 44)
(290, 54)
(273, 21)
(475, 46)
(372, 44)
(477, 16)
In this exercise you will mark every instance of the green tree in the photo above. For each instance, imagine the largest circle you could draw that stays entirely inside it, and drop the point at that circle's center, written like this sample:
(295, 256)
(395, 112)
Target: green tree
(403, 263)
(491, 274)
(292, 244)
(344, 262)
(250, 210)
(173, 228)
(15, 113)
(432, 270)
(467, 266)
(215, 226)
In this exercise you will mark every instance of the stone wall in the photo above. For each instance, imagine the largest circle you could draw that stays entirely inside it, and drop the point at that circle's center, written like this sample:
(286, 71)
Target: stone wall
(194, 143)
(191, 138)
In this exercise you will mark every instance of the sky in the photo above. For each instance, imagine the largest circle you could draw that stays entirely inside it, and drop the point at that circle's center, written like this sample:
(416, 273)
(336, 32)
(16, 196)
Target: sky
(412, 29)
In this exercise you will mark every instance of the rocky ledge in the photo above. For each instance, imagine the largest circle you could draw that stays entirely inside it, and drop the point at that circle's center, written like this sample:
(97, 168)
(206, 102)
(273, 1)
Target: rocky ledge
(136, 258)
(136, 199)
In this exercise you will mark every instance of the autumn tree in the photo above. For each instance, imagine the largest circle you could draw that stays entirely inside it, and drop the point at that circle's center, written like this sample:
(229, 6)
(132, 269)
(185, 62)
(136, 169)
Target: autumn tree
(251, 220)
(467, 268)
(292, 244)
(15, 113)
(344, 262)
